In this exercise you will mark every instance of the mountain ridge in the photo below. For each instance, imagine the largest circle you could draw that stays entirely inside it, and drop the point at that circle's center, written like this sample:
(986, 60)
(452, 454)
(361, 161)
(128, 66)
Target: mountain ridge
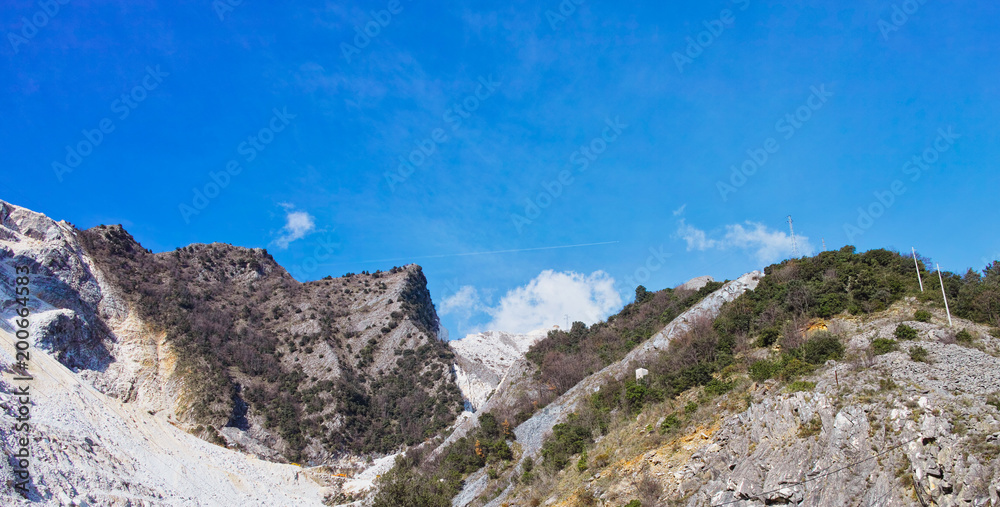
(219, 337)
(754, 392)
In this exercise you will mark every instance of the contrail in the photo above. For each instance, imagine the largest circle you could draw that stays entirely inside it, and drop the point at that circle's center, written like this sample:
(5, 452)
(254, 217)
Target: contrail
(466, 254)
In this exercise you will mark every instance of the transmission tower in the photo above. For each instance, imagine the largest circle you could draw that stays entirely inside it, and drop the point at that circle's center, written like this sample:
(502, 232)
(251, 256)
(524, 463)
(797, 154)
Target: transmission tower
(795, 246)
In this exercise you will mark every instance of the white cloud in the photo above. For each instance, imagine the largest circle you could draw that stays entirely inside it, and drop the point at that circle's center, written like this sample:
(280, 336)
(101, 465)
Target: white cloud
(680, 211)
(551, 296)
(767, 245)
(297, 225)
(696, 238)
(463, 302)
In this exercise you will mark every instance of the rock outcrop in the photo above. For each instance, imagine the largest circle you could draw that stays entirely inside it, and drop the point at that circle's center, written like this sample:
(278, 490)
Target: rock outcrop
(90, 449)
(872, 429)
(79, 316)
(222, 341)
(867, 432)
(483, 360)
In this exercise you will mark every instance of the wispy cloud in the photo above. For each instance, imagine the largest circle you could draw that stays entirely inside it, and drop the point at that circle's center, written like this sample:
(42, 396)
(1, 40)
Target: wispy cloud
(767, 245)
(545, 301)
(298, 224)
(696, 238)
(462, 303)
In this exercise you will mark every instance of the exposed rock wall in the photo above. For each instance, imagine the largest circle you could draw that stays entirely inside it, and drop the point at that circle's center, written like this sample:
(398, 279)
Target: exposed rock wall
(879, 430)
(217, 335)
(79, 316)
(90, 449)
(482, 361)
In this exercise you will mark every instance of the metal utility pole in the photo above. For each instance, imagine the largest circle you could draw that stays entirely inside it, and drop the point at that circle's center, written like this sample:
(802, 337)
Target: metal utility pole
(914, 250)
(824, 244)
(945, 296)
(795, 247)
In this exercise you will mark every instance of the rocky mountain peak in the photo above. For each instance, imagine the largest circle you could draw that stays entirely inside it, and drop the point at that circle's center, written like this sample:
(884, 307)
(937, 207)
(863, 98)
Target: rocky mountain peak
(221, 340)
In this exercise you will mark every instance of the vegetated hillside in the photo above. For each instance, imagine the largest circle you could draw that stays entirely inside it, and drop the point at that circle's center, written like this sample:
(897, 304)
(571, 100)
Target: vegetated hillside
(888, 408)
(314, 369)
(433, 478)
(564, 358)
(775, 333)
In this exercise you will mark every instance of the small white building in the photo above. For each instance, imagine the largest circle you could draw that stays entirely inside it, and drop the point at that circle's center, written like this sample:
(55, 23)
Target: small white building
(640, 373)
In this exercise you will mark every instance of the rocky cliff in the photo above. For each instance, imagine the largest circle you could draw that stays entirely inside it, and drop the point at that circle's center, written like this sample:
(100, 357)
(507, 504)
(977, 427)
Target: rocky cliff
(91, 449)
(876, 429)
(221, 341)
(483, 360)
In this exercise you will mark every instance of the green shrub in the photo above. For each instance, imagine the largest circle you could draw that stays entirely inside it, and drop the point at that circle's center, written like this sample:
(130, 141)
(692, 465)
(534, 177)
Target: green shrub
(566, 440)
(762, 370)
(801, 385)
(581, 464)
(830, 304)
(922, 316)
(635, 393)
(821, 347)
(883, 346)
(964, 337)
(904, 332)
(634, 503)
(791, 367)
(670, 422)
(716, 387)
(768, 337)
(526, 474)
(691, 407)
(919, 354)
(641, 294)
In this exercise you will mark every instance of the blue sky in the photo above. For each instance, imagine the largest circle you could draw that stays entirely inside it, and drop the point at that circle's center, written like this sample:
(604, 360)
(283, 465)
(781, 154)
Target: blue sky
(670, 141)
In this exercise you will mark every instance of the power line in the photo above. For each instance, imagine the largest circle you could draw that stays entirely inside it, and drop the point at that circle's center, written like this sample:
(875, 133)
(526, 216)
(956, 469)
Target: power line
(465, 254)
